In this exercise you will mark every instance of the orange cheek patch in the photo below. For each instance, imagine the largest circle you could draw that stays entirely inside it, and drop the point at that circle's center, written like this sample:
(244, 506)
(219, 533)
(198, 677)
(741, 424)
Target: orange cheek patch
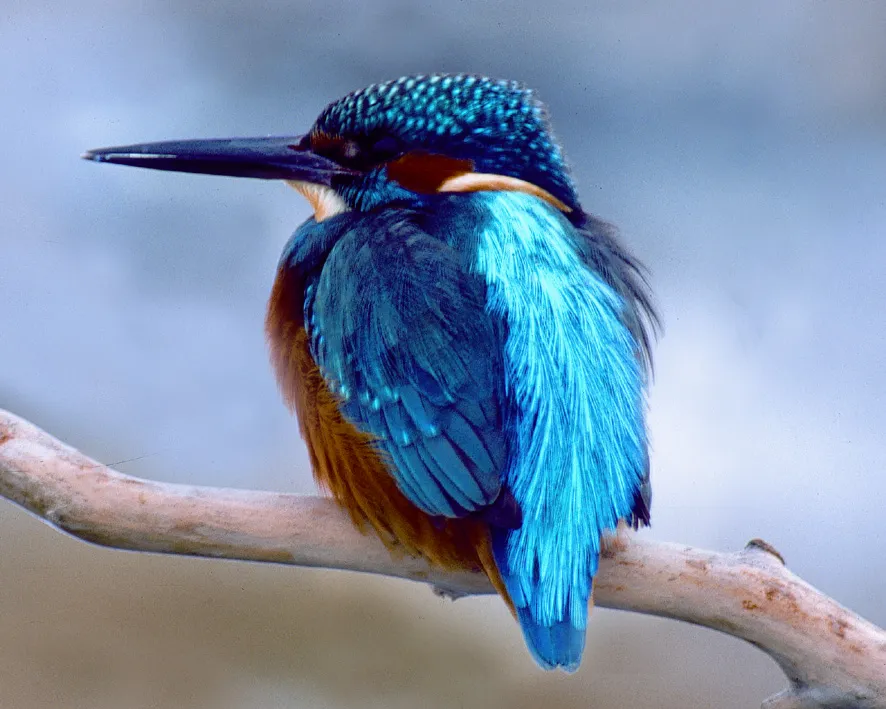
(428, 173)
(425, 172)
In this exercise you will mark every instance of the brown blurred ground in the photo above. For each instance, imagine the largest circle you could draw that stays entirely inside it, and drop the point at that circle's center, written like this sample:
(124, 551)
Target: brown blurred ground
(86, 627)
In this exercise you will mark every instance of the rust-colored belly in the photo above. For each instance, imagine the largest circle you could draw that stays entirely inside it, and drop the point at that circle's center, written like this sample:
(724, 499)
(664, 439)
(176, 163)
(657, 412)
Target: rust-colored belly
(346, 463)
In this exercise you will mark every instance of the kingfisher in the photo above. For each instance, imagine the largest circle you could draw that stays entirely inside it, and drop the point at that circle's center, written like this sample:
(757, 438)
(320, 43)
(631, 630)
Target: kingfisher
(467, 350)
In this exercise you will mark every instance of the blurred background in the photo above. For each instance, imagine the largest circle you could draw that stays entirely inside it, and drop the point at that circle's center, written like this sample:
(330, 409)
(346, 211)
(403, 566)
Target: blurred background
(741, 149)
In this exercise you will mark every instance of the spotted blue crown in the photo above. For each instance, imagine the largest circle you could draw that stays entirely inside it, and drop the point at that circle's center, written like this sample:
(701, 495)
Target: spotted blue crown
(499, 125)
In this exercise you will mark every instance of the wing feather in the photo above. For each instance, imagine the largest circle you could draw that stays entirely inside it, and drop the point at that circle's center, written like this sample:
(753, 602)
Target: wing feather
(400, 330)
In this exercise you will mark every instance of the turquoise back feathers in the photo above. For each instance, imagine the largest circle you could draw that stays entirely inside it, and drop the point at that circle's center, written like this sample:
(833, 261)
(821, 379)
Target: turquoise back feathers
(576, 390)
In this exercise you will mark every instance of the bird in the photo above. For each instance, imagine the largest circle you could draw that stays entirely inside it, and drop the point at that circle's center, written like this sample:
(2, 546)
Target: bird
(467, 350)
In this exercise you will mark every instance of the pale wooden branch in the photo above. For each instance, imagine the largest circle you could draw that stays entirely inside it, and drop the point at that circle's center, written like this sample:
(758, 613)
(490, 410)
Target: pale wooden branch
(832, 657)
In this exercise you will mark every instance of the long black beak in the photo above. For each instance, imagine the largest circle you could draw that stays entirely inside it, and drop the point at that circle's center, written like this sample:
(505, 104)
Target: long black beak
(274, 158)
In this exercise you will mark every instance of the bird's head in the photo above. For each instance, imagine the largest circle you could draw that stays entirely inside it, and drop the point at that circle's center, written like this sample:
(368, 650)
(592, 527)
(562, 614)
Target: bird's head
(392, 142)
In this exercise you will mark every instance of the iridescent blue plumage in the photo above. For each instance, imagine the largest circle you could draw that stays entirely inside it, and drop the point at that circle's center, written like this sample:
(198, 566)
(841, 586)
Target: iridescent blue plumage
(466, 348)
(578, 440)
(468, 336)
(494, 346)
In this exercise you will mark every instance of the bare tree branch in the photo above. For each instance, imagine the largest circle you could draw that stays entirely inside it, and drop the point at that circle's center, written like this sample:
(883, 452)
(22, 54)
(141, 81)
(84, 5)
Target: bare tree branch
(832, 657)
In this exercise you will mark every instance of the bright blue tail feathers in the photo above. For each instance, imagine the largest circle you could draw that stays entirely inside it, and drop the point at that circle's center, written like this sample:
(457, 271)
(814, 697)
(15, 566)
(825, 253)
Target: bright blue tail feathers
(552, 645)
(560, 645)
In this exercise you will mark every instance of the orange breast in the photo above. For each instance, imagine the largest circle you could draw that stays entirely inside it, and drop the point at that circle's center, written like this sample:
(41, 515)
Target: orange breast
(346, 463)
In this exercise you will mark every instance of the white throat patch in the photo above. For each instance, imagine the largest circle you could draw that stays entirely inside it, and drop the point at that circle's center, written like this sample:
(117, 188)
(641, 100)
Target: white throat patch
(323, 200)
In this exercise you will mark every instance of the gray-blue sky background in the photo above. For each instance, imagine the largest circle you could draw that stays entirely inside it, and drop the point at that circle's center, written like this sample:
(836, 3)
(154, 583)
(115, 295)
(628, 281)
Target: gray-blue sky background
(741, 149)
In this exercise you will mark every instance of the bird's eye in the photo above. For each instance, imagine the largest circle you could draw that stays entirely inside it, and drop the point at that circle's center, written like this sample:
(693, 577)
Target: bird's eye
(350, 150)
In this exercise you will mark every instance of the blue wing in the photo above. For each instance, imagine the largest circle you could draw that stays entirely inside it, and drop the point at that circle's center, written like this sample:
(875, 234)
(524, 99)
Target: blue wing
(400, 332)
